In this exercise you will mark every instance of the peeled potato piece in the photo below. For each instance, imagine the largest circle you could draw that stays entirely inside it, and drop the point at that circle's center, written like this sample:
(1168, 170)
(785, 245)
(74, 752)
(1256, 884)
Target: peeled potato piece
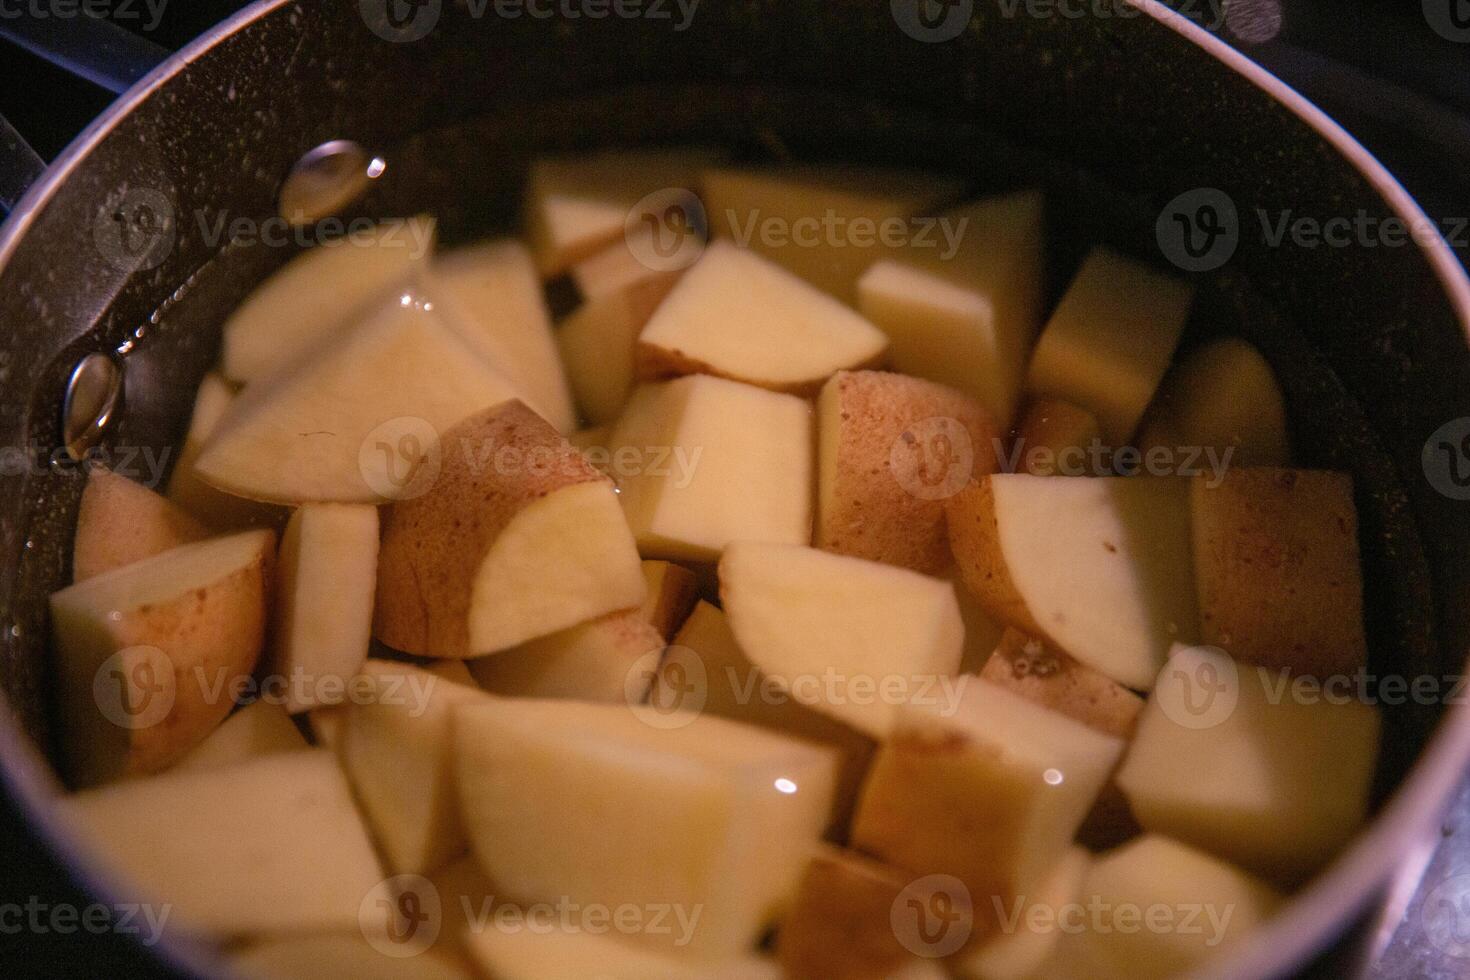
(1221, 396)
(345, 954)
(221, 511)
(519, 537)
(1056, 438)
(257, 729)
(597, 342)
(1032, 926)
(534, 954)
(593, 661)
(121, 521)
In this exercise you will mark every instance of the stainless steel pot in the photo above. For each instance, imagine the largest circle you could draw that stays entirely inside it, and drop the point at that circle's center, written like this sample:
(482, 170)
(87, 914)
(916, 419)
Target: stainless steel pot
(1117, 115)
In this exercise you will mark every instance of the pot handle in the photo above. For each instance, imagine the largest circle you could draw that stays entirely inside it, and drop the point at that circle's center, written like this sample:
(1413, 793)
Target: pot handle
(90, 48)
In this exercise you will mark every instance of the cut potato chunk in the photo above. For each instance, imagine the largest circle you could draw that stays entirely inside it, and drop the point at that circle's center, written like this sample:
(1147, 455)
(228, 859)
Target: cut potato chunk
(702, 461)
(617, 268)
(737, 315)
(825, 224)
(121, 521)
(982, 632)
(1052, 679)
(1222, 396)
(395, 746)
(345, 955)
(150, 654)
(323, 616)
(1197, 908)
(890, 450)
(1031, 926)
(597, 342)
(1110, 339)
(319, 292)
(706, 670)
(1055, 438)
(672, 591)
(698, 813)
(592, 661)
(519, 537)
(492, 295)
(966, 319)
(841, 923)
(257, 729)
(1276, 563)
(535, 953)
(853, 639)
(1279, 775)
(357, 420)
(284, 826)
(1100, 568)
(989, 791)
(221, 511)
(579, 205)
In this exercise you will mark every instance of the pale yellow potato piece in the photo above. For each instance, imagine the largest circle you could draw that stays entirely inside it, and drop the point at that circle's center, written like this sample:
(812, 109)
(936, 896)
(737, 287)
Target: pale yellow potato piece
(519, 537)
(737, 315)
(990, 791)
(702, 461)
(326, 722)
(782, 213)
(966, 319)
(1031, 926)
(706, 670)
(257, 729)
(1100, 568)
(1277, 568)
(1221, 396)
(535, 954)
(851, 638)
(221, 511)
(121, 521)
(319, 292)
(672, 591)
(592, 661)
(1278, 780)
(983, 631)
(492, 295)
(890, 449)
(617, 267)
(578, 205)
(148, 655)
(340, 955)
(396, 747)
(698, 812)
(1110, 340)
(841, 921)
(323, 614)
(1203, 908)
(595, 437)
(261, 847)
(597, 341)
(354, 419)
(1055, 438)
(454, 671)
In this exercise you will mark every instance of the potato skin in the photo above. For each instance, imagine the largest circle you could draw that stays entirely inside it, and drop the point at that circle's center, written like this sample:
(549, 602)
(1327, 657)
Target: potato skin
(1277, 570)
(869, 510)
(121, 521)
(1055, 680)
(433, 544)
(975, 543)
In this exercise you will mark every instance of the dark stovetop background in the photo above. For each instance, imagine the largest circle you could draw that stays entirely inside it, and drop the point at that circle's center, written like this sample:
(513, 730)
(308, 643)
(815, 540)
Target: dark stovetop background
(1376, 66)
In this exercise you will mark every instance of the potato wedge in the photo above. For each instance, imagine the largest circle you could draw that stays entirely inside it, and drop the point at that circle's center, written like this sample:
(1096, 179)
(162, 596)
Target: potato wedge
(597, 342)
(257, 729)
(221, 511)
(121, 521)
(592, 661)
(1055, 438)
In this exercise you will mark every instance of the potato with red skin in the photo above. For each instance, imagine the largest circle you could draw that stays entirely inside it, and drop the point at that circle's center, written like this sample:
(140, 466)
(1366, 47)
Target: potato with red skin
(121, 521)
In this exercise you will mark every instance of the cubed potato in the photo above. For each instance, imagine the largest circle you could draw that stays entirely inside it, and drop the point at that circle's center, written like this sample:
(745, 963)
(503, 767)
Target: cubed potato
(1031, 926)
(850, 638)
(701, 814)
(257, 729)
(781, 212)
(1100, 568)
(343, 955)
(891, 449)
(1110, 340)
(989, 790)
(121, 521)
(1278, 773)
(221, 511)
(597, 341)
(672, 592)
(739, 316)
(616, 268)
(541, 951)
(519, 537)
(1056, 438)
(1276, 563)
(1222, 396)
(702, 461)
(966, 314)
(598, 660)
(261, 847)
(1164, 910)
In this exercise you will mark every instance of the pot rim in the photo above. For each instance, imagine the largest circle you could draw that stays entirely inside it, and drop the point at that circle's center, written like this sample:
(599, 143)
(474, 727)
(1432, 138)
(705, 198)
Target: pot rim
(1315, 916)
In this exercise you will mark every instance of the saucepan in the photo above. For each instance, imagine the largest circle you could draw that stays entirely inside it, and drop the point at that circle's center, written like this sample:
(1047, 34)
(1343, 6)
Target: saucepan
(120, 262)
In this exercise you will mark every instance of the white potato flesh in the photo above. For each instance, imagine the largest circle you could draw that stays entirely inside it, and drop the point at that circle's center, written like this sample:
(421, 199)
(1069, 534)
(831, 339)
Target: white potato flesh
(259, 728)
